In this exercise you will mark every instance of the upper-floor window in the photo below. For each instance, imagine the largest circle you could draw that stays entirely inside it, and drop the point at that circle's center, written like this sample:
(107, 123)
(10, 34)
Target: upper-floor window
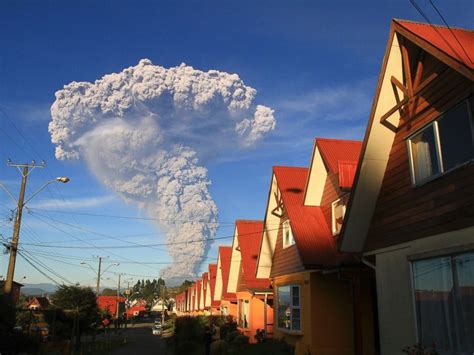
(442, 145)
(288, 239)
(338, 212)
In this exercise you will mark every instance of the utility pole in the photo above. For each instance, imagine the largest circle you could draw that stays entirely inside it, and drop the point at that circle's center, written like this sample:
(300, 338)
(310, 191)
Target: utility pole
(118, 296)
(98, 277)
(16, 233)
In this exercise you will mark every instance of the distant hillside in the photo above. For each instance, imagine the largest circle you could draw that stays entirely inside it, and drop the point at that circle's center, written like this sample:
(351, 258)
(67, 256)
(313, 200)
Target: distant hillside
(38, 289)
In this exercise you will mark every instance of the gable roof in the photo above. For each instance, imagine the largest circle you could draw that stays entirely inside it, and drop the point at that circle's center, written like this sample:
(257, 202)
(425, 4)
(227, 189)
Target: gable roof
(445, 39)
(225, 254)
(250, 235)
(334, 151)
(378, 139)
(42, 302)
(314, 240)
(212, 283)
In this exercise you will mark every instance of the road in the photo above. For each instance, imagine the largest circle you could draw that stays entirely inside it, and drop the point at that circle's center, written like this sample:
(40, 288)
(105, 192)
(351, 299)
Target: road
(140, 340)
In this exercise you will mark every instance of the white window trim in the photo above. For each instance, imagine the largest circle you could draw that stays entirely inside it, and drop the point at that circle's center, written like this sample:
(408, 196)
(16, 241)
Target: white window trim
(333, 220)
(241, 311)
(439, 156)
(291, 308)
(292, 241)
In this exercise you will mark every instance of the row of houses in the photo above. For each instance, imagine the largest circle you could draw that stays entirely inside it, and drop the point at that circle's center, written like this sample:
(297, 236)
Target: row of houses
(370, 248)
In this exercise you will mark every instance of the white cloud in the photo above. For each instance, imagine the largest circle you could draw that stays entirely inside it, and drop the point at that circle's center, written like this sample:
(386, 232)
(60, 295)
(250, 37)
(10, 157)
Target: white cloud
(144, 133)
(73, 203)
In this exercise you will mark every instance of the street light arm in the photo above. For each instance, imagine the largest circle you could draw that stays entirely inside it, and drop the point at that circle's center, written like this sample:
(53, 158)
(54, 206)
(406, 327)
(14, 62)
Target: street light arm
(64, 180)
(108, 267)
(90, 267)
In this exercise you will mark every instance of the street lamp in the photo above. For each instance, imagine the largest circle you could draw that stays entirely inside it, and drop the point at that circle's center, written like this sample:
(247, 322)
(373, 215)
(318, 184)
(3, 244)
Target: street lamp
(19, 210)
(99, 273)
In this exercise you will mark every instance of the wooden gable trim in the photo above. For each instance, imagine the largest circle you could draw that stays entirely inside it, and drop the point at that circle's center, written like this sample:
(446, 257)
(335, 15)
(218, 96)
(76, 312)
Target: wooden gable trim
(434, 51)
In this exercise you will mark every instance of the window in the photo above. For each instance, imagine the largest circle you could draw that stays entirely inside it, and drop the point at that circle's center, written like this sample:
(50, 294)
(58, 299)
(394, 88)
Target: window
(442, 145)
(243, 313)
(289, 308)
(288, 239)
(444, 302)
(224, 311)
(338, 212)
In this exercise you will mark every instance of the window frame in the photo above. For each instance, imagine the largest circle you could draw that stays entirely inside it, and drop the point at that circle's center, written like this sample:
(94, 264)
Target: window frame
(291, 308)
(241, 313)
(434, 123)
(333, 221)
(293, 242)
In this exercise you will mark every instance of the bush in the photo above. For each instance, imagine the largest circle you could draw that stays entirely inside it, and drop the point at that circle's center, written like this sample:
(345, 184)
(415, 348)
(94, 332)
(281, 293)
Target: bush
(239, 343)
(419, 349)
(271, 346)
(219, 347)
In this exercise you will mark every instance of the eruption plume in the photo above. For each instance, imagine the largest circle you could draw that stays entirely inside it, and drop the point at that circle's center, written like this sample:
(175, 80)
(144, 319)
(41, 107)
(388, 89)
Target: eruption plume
(145, 133)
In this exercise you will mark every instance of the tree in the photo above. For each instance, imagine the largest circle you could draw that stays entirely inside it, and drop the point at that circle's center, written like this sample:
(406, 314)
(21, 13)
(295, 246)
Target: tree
(78, 307)
(109, 292)
(148, 290)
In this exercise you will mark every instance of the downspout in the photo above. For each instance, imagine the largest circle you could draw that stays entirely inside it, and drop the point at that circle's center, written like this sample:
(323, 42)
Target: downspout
(265, 315)
(358, 346)
(368, 263)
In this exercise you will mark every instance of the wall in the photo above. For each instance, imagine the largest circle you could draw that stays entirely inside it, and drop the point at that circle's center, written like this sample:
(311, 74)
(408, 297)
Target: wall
(256, 315)
(394, 289)
(405, 213)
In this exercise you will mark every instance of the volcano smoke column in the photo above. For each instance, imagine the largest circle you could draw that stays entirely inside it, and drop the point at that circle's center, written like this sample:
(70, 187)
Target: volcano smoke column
(145, 133)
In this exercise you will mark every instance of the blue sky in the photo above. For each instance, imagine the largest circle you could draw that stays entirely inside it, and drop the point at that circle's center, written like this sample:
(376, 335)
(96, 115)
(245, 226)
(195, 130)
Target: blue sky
(314, 63)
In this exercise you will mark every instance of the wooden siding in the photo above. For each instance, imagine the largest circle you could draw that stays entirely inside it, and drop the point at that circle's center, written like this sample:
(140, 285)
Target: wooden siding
(331, 193)
(285, 260)
(404, 212)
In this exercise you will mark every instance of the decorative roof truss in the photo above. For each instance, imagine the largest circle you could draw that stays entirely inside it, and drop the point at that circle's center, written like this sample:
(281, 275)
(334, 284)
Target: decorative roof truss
(412, 86)
(279, 209)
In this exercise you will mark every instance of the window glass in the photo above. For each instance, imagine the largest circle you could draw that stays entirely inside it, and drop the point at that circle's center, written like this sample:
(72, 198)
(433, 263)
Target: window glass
(289, 312)
(425, 160)
(287, 234)
(455, 136)
(444, 300)
(284, 299)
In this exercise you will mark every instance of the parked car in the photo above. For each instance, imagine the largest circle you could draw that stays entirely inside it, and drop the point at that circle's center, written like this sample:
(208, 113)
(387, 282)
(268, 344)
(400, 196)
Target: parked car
(157, 329)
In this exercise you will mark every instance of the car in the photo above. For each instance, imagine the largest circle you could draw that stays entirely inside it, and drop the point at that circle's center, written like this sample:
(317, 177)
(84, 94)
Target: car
(157, 329)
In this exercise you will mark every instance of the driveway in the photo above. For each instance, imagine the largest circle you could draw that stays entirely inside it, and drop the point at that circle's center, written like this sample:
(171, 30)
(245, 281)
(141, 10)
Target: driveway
(140, 340)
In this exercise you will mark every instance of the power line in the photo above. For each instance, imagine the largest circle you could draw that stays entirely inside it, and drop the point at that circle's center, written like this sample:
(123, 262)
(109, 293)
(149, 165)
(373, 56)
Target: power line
(221, 223)
(422, 13)
(37, 269)
(450, 30)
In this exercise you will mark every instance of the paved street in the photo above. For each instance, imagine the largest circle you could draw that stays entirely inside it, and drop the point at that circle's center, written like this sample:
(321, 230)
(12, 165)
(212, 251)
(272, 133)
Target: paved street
(140, 340)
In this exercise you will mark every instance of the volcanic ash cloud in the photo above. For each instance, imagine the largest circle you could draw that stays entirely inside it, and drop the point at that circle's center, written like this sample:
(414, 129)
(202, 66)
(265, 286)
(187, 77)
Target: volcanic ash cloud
(144, 131)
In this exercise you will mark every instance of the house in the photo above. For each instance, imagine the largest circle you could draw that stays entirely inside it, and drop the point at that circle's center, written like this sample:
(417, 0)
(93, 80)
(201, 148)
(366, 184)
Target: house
(37, 303)
(323, 300)
(180, 303)
(190, 300)
(16, 287)
(412, 212)
(212, 274)
(205, 303)
(254, 296)
(227, 300)
(111, 304)
(197, 299)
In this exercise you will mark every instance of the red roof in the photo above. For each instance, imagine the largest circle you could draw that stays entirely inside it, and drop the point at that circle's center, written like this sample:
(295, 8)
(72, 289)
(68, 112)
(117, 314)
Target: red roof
(250, 235)
(442, 38)
(314, 240)
(109, 303)
(225, 254)
(212, 282)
